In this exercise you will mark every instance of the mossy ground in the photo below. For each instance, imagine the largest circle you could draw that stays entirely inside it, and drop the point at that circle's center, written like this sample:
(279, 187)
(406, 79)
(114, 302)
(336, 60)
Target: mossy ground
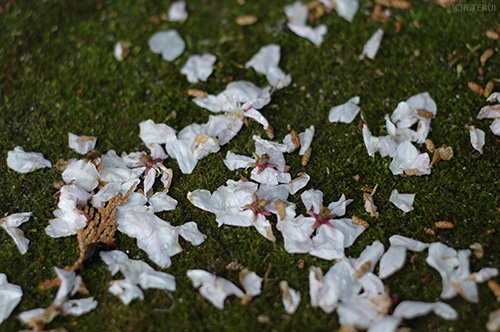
(58, 74)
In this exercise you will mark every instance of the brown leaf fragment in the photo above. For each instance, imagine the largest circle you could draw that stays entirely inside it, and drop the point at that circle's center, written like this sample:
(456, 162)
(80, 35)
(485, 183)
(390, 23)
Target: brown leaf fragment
(197, 93)
(49, 284)
(492, 34)
(429, 144)
(243, 178)
(476, 88)
(379, 15)
(101, 227)
(495, 287)
(295, 139)
(61, 165)
(154, 19)
(444, 225)
(488, 89)
(400, 4)
(301, 264)
(358, 221)
(306, 156)
(486, 55)
(246, 20)
(478, 250)
(234, 266)
(425, 114)
(270, 132)
(263, 319)
(413, 258)
(429, 231)
(445, 152)
(412, 171)
(346, 328)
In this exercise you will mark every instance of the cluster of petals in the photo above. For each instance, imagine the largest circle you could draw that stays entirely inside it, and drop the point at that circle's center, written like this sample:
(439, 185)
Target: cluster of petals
(320, 234)
(492, 112)
(360, 297)
(137, 273)
(406, 158)
(70, 285)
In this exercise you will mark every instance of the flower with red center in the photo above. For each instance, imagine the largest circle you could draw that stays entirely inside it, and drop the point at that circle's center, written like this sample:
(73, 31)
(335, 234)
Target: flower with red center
(323, 217)
(257, 207)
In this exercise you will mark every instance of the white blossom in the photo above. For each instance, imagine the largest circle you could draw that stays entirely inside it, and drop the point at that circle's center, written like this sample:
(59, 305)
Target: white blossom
(81, 144)
(11, 225)
(25, 162)
(167, 43)
(199, 67)
(214, 289)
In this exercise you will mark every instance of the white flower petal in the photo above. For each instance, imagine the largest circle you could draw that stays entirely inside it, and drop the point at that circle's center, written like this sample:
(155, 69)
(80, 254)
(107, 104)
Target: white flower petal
(79, 307)
(372, 254)
(413, 309)
(11, 223)
(81, 144)
(351, 231)
(234, 161)
(251, 282)
(213, 288)
(267, 57)
(257, 116)
(25, 162)
(314, 35)
(385, 324)
(328, 243)
(323, 290)
(297, 13)
(155, 133)
(408, 243)
(346, 112)
(346, 9)
(125, 291)
(177, 12)
(392, 261)
(372, 45)
(495, 127)
(160, 201)
(403, 202)
(306, 138)
(81, 173)
(484, 274)
(199, 67)
(407, 157)
(10, 296)
(477, 138)
(290, 297)
(168, 43)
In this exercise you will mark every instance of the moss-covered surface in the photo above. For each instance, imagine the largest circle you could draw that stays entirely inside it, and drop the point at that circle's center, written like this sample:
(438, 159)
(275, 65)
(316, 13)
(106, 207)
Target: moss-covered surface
(58, 74)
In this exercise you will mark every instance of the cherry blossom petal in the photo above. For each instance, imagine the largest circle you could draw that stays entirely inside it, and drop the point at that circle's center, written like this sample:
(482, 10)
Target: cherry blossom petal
(257, 116)
(372, 45)
(413, 309)
(11, 223)
(393, 260)
(297, 13)
(251, 282)
(350, 230)
(408, 243)
(385, 324)
(160, 201)
(323, 291)
(177, 12)
(79, 307)
(290, 297)
(234, 161)
(81, 144)
(407, 157)
(314, 35)
(81, 173)
(168, 43)
(346, 112)
(267, 57)
(346, 9)
(403, 202)
(306, 138)
(151, 133)
(199, 67)
(10, 296)
(125, 291)
(214, 289)
(328, 243)
(312, 200)
(25, 162)
(495, 127)
(477, 138)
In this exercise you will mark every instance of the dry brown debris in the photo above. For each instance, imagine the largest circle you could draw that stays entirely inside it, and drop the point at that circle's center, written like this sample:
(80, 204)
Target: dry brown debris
(362, 270)
(370, 206)
(359, 221)
(492, 35)
(444, 225)
(246, 20)
(306, 156)
(101, 227)
(495, 287)
(476, 88)
(443, 153)
(234, 266)
(270, 132)
(488, 89)
(486, 55)
(197, 93)
(478, 250)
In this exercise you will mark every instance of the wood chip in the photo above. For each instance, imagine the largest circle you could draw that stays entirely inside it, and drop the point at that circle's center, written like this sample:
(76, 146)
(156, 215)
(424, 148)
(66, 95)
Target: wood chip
(246, 20)
(486, 55)
(444, 225)
(197, 93)
(476, 88)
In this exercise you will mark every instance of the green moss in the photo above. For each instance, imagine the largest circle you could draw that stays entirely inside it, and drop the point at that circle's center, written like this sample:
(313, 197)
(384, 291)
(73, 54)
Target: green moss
(59, 74)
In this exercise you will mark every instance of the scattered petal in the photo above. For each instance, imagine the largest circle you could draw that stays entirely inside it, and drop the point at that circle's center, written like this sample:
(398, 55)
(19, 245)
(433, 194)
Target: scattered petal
(372, 45)
(25, 162)
(346, 112)
(290, 297)
(81, 144)
(11, 224)
(476, 138)
(168, 43)
(10, 296)
(177, 12)
(403, 202)
(199, 67)
(214, 289)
